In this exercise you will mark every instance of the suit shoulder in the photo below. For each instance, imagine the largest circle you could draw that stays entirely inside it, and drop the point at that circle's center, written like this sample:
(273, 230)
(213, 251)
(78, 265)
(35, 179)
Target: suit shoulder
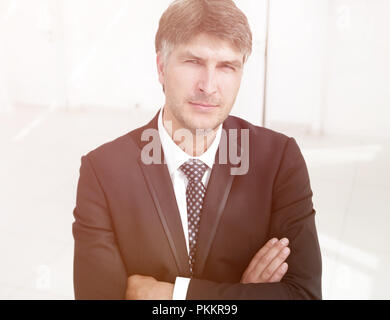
(121, 145)
(123, 148)
(256, 132)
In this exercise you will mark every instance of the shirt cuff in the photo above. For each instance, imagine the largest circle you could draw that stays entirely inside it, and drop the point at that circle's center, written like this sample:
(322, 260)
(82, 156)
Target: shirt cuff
(180, 288)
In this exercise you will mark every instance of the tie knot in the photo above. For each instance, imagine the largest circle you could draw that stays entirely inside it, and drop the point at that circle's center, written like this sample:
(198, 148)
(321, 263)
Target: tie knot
(194, 169)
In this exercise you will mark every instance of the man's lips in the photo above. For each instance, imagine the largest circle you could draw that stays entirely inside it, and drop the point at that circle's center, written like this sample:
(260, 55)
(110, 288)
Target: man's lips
(205, 105)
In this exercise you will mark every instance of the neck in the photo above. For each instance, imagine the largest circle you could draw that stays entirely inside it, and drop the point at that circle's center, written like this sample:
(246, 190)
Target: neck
(193, 142)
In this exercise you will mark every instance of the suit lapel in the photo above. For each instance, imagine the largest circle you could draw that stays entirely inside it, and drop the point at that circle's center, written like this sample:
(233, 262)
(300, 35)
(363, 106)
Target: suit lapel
(161, 190)
(214, 203)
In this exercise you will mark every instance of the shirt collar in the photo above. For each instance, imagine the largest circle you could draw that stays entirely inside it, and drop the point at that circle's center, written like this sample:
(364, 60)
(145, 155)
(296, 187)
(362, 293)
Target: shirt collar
(175, 156)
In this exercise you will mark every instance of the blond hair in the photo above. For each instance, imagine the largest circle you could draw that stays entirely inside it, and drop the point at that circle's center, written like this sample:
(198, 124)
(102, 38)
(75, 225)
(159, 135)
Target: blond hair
(185, 19)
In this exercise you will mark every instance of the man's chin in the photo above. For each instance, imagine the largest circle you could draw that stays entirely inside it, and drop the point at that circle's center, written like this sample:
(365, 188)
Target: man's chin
(202, 125)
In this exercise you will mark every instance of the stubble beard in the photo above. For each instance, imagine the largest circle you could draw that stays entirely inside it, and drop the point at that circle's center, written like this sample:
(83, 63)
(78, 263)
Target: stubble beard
(185, 121)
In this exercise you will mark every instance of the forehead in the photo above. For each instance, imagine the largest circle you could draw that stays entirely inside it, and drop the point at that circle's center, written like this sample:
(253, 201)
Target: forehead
(209, 48)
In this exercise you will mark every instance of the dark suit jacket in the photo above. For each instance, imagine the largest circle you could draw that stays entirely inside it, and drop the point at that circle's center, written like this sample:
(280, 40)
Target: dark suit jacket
(127, 221)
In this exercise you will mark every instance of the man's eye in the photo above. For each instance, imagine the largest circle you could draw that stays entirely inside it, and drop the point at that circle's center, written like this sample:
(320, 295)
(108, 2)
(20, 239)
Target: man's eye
(229, 68)
(193, 61)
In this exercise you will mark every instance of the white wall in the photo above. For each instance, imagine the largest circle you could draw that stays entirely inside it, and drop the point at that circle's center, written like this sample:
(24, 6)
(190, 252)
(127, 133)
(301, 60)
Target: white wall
(110, 53)
(29, 37)
(359, 69)
(329, 67)
(295, 61)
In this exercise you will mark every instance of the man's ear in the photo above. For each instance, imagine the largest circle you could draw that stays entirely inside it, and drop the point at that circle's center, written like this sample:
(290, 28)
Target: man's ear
(160, 67)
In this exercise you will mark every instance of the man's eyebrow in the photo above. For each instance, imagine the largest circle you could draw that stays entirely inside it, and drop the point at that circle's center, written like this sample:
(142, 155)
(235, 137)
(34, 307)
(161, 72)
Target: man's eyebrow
(188, 54)
(235, 63)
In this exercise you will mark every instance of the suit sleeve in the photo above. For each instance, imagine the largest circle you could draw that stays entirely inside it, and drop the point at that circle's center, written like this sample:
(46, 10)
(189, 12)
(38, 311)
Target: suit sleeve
(293, 217)
(99, 272)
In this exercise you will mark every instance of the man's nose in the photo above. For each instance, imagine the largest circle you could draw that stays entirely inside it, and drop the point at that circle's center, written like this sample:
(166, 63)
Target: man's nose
(208, 82)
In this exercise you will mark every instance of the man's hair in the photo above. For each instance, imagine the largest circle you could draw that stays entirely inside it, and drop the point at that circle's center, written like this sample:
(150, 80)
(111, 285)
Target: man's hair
(185, 19)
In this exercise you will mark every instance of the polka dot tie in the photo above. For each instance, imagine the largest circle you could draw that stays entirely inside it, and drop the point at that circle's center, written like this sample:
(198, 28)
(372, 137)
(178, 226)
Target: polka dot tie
(194, 170)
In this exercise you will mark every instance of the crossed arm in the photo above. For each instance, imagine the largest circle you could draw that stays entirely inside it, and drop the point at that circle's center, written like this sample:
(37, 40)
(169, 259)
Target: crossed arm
(267, 266)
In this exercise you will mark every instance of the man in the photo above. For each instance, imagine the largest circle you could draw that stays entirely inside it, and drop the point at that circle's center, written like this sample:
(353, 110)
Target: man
(171, 210)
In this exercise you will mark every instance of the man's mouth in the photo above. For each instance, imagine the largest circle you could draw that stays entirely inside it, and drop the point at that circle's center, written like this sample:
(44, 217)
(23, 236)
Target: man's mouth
(203, 105)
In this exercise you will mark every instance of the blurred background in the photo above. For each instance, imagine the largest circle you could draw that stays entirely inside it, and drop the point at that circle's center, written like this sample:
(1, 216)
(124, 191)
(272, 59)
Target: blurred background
(77, 74)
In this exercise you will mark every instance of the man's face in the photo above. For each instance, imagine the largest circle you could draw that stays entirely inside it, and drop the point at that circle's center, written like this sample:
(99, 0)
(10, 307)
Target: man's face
(201, 80)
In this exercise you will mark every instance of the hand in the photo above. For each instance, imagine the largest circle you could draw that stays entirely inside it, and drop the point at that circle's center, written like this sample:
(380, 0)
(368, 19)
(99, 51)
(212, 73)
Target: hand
(268, 263)
(148, 288)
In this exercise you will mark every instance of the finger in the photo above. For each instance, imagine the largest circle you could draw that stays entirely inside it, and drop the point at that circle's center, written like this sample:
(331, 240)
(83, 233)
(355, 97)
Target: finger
(279, 273)
(265, 249)
(266, 259)
(258, 256)
(262, 259)
(275, 264)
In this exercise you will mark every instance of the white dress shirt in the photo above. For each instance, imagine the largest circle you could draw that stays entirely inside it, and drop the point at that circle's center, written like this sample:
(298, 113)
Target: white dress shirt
(175, 157)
